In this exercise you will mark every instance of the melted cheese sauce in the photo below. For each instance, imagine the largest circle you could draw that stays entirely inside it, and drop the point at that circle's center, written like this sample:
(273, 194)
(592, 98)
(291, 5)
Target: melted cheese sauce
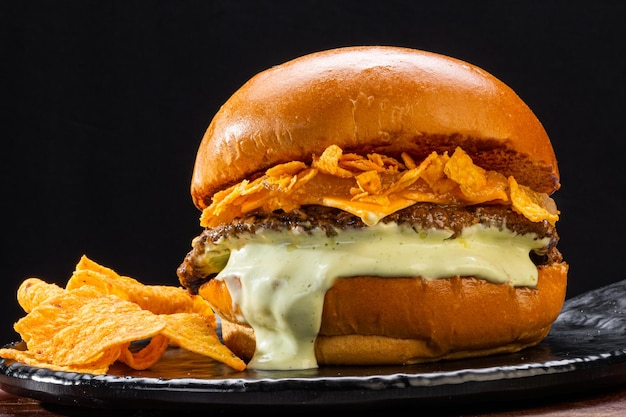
(279, 283)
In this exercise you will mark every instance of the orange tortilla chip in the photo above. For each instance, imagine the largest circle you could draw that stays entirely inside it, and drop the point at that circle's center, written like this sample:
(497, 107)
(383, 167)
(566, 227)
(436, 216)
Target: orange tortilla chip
(289, 168)
(84, 263)
(379, 160)
(34, 291)
(159, 299)
(369, 182)
(406, 180)
(409, 162)
(226, 199)
(190, 331)
(534, 206)
(460, 168)
(328, 162)
(362, 165)
(433, 173)
(78, 329)
(27, 358)
(147, 356)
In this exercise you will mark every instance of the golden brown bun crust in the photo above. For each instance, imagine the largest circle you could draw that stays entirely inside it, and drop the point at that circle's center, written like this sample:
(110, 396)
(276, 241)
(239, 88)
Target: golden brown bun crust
(374, 320)
(380, 99)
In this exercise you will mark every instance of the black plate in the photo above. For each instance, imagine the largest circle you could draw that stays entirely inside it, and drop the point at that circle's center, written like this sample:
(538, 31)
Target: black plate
(585, 348)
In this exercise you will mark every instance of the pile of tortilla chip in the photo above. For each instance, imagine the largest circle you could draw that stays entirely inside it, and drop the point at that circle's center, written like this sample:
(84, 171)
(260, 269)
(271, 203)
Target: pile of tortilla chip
(101, 317)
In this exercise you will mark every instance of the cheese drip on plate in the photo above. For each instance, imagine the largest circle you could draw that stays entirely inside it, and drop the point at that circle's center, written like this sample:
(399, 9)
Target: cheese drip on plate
(278, 280)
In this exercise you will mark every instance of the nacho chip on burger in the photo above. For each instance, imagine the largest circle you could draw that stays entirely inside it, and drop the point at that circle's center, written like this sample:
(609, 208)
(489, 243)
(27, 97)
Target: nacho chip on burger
(376, 205)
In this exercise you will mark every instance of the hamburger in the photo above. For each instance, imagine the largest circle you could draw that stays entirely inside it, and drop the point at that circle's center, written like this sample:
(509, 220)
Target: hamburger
(376, 205)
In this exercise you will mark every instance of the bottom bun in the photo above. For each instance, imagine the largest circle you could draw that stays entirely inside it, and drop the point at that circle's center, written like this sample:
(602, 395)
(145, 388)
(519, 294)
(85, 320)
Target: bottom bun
(376, 320)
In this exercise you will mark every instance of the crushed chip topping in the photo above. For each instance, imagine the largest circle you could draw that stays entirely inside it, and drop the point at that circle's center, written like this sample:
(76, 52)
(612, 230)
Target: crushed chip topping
(373, 186)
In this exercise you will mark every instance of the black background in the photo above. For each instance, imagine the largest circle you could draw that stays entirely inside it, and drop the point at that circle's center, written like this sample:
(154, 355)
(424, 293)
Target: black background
(106, 103)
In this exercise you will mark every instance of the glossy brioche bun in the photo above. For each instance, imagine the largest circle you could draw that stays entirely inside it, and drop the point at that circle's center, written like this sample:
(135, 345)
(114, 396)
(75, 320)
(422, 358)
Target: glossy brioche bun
(372, 99)
(425, 321)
